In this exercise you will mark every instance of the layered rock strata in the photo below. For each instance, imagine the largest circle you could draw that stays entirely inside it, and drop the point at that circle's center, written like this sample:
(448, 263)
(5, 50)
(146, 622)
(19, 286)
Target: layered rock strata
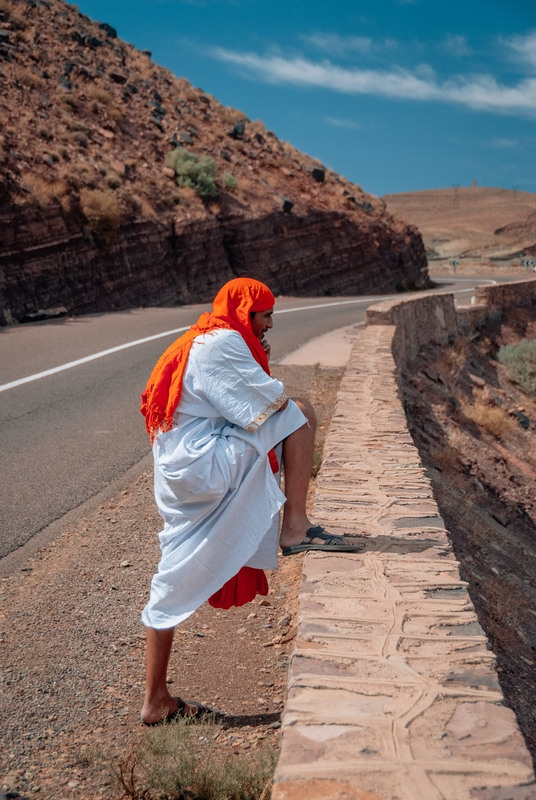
(47, 261)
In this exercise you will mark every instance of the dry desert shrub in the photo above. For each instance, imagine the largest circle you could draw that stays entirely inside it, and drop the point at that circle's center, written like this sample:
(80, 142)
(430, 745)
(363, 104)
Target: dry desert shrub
(30, 80)
(102, 212)
(140, 205)
(493, 419)
(115, 113)
(257, 126)
(42, 190)
(99, 94)
(454, 357)
(230, 116)
(179, 761)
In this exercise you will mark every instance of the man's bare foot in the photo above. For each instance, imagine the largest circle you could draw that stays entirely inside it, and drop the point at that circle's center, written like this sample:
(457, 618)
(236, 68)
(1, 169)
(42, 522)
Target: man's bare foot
(153, 713)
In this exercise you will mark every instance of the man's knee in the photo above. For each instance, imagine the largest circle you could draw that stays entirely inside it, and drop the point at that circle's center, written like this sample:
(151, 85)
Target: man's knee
(306, 407)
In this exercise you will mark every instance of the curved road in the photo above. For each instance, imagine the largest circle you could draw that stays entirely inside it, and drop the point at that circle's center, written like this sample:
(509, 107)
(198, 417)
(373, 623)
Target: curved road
(69, 434)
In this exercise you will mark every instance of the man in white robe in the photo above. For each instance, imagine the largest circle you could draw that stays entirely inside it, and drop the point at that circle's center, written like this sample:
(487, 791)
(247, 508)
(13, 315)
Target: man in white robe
(215, 488)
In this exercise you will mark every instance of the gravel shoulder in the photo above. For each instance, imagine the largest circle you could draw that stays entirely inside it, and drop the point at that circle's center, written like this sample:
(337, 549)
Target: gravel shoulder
(73, 646)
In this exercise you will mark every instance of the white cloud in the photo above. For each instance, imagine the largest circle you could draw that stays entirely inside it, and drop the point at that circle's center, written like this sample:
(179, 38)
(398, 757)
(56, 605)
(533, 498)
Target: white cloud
(481, 92)
(504, 143)
(343, 123)
(524, 48)
(457, 45)
(341, 45)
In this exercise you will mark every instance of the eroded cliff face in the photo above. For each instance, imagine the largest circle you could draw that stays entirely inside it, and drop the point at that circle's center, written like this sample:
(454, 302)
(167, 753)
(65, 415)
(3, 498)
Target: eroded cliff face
(49, 259)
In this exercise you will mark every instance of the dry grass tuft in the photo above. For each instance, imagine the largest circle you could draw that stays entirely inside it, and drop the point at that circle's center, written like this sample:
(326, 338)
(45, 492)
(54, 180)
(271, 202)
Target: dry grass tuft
(456, 356)
(99, 95)
(178, 761)
(230, 116)
(102, 212)
(140, 205)
(493, 419)
(30, 80)
(44, 191)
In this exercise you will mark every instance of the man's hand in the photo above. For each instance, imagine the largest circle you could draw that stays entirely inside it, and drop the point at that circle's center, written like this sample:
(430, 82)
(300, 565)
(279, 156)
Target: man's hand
(266, 347)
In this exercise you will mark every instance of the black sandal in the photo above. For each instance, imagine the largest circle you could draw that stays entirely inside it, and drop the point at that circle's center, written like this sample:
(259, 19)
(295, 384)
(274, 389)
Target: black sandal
(331, 543)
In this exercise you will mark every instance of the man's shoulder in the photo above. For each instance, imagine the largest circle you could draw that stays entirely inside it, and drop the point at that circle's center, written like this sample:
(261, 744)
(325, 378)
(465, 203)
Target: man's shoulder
(220, 340)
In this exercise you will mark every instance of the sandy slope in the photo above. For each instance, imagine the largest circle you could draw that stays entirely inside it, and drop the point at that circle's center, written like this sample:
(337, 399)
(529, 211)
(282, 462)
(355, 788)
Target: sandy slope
(475, 222)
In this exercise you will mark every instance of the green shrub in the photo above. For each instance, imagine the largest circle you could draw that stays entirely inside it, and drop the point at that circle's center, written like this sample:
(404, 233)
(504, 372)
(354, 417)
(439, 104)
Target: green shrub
(228, 181)
(198, 174)
(521, 362)
(102, 212)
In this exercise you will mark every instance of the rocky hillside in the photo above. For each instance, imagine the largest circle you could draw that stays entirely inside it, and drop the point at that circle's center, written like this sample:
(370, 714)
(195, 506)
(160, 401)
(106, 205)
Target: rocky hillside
(121, 184)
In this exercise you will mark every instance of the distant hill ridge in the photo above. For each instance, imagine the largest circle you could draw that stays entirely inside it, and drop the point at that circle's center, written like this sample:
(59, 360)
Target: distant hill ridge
(475, 221)
(91, 213)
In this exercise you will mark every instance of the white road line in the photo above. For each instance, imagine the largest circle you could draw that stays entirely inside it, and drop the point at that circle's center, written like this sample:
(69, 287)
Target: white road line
(85, 360)
(120, 347)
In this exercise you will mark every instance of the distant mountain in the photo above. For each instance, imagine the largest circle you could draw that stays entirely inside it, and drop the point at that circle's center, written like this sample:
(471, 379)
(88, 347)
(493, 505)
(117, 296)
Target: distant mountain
(121, 184)
(472, 222)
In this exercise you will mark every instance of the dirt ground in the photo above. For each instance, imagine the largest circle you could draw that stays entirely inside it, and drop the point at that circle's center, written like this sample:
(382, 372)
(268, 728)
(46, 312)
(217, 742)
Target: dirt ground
(73, 646)
(484, 484)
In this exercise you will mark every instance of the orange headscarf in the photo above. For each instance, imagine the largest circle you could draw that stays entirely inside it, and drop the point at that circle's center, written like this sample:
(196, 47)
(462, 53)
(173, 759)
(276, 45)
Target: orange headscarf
(231, 310)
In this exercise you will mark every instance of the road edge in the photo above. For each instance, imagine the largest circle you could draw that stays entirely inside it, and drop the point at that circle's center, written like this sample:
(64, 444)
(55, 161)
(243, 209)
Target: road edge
(53, 530)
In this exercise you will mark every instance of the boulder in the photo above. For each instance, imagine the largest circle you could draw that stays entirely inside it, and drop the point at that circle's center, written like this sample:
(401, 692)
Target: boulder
(238, 130)
(158, 122)
(118, 77)
(319, 175)
(287, 205)
(108, 30)
(147, 53)
(93, 42)
(4, 37)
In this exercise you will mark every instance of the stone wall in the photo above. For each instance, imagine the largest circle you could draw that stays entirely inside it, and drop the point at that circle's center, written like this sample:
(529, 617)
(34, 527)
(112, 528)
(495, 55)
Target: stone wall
(393, 692)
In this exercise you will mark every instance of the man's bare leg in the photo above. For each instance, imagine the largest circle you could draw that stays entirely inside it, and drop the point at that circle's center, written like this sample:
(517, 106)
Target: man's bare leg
(158, 701)
(298, 453)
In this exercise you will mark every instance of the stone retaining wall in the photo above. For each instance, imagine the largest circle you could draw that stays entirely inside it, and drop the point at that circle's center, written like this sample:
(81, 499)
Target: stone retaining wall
(392, 691)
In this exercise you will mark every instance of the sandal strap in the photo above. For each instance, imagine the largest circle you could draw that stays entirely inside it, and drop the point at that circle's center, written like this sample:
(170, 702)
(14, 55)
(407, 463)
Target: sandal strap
(318, 532)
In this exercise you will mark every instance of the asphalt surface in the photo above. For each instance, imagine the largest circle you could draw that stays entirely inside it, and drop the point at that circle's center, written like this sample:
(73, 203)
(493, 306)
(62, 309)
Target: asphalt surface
(69, 435)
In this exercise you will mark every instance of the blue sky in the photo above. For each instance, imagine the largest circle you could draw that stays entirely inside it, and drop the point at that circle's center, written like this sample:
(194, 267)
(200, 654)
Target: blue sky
(397, 95)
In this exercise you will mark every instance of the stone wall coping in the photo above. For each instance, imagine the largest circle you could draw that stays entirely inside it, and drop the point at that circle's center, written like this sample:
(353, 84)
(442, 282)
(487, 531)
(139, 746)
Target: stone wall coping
(392, 692)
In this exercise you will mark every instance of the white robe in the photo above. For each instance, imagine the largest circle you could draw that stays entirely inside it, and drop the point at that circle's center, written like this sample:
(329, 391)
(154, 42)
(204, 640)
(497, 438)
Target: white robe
(214, 486)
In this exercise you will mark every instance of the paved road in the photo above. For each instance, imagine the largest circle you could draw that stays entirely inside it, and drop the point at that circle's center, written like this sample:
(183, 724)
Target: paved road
(68, 435)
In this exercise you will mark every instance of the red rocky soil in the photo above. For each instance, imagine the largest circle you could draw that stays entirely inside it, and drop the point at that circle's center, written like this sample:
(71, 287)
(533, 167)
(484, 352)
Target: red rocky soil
(73, 646)
(484, 485)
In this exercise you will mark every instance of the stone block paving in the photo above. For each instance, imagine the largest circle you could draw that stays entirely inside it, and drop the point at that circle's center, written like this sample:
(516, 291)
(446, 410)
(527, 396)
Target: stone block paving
(393, 693)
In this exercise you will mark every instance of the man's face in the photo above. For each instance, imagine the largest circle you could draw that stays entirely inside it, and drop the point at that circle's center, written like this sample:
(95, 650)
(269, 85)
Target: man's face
(261, 321)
